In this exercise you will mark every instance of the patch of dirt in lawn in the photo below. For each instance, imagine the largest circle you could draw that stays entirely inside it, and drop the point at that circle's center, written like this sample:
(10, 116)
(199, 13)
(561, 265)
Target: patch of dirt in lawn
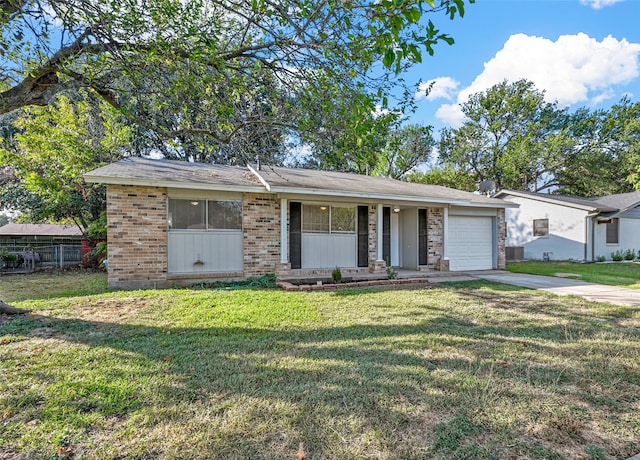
(108, 310)
(567, 275)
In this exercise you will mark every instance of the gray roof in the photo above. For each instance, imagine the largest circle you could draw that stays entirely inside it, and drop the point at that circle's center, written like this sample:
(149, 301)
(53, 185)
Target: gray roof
(332, 181)
(620, 201)
(40, 230)
(604, 204)
(180, 174)
(134, 170)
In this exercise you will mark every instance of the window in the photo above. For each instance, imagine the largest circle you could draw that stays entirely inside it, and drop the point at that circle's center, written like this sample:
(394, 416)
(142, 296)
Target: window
(205, 215)
(187, 214)
(343, 220)
(225, 215)
(540, 227)
(328, 219)
(612, 231)
(315, 219)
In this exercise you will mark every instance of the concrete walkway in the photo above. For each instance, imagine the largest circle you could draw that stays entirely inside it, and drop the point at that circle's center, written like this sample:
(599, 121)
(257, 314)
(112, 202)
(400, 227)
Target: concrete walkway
(562, 286)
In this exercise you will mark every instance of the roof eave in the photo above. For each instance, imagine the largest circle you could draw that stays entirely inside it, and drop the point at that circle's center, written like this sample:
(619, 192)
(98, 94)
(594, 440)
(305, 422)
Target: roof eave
(172, 184)
(387, 197)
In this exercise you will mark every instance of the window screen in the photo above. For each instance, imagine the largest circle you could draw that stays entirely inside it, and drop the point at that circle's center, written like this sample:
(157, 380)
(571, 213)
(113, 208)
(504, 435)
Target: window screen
(187, 214)
(541, 227)
(315, 219)
(612, 232)
(204, 214)
(225, 215)
(343, 220)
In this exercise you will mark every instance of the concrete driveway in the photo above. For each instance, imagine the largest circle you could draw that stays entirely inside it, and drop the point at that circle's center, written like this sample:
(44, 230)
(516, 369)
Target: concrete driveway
(564, 286)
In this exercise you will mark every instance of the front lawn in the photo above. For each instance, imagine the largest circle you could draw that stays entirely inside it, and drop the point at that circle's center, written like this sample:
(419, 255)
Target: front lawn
(470, 370)
(622, 274)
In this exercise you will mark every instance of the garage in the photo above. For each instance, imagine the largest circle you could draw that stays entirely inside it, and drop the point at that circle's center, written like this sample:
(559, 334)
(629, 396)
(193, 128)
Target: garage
(470, 243)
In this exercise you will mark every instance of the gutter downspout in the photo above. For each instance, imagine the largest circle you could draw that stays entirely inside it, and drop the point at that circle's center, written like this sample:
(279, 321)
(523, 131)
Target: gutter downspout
(589, 230)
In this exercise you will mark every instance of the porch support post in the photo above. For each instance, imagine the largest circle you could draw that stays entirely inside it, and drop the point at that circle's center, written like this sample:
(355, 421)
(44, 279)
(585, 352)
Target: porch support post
(379, 233)
(284, 234)
(445, 232)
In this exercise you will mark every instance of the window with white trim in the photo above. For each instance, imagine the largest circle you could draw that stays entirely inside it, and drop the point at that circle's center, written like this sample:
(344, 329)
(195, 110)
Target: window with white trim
(194, 214)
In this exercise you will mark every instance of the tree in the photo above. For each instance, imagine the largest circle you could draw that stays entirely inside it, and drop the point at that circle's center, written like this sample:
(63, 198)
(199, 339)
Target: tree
(604, 158)
(406, 148)
(446, 176)
(511, 136)
(51, 150)
(204, 72)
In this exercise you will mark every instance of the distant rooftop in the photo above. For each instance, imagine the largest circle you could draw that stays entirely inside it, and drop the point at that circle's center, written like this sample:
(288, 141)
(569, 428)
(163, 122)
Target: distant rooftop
(40, 230)
(606, 203)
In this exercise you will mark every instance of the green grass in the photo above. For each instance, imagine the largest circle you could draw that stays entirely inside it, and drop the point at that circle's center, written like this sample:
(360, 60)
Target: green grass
(622, 274)
(472, 370)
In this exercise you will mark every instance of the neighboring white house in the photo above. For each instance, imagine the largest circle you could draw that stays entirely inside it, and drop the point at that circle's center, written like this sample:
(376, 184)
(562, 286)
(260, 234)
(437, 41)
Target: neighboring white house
(571, 228)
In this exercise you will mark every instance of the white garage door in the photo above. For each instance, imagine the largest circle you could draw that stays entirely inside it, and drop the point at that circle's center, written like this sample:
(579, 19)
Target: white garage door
(470, 243)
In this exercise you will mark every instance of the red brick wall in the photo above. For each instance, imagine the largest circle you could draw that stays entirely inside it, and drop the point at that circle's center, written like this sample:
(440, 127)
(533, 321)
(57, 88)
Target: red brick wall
(137, 236)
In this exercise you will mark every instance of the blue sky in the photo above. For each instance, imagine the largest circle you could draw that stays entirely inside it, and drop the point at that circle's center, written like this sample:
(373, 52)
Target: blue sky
(583, 53)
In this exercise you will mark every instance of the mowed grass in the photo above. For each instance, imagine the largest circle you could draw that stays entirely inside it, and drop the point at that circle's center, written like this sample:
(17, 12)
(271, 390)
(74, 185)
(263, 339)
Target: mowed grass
(621, 274)
(470, 370)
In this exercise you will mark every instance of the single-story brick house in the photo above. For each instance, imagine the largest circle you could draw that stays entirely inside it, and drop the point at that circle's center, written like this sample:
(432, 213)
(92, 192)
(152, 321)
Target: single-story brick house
(174, 222)
(564, 227)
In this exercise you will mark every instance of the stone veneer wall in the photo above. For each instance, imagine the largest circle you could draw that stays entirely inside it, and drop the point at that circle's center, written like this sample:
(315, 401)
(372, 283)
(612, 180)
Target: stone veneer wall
(261, 228)
(137, 236)
(375, 265)
(435, 232)
(502, 238)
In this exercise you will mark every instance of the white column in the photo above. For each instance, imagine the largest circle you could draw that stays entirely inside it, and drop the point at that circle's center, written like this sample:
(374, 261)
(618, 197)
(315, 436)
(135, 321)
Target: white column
(379, 232)
(284, 234)
(445, 232)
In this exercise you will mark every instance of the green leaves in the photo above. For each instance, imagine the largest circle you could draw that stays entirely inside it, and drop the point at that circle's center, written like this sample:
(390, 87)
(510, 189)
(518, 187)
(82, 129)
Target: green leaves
(53, 148)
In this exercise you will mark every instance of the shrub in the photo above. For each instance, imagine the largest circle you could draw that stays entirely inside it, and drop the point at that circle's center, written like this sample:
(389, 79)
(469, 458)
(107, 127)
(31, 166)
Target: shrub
(601, 259)
(617, 256)
(629, 254)
(336, 274)
(8, 259)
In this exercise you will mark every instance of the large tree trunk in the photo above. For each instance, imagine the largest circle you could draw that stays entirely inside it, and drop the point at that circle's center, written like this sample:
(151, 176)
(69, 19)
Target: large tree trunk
(10, 310)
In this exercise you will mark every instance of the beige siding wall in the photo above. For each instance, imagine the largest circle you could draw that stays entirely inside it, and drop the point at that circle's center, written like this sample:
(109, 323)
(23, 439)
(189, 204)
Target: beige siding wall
(137, 236)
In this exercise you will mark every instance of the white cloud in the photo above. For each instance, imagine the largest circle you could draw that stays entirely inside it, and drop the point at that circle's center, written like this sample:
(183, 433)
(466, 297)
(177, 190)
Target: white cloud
(380, 112)
(599, 98)
(443, 88)
(569, 70)
(450, 114)
(597, 4)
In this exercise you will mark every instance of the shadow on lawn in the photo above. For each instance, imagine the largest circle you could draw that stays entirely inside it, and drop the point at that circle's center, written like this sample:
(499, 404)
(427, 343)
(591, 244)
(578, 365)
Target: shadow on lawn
(374, 373)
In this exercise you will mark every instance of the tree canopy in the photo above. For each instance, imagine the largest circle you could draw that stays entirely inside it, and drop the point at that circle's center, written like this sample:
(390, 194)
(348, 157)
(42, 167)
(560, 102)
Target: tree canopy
(215, 76)
(47, 156)
(513, 137)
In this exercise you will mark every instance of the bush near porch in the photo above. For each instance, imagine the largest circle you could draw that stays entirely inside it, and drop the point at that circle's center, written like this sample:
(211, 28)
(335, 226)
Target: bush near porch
(621, 274)
(469, 370)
